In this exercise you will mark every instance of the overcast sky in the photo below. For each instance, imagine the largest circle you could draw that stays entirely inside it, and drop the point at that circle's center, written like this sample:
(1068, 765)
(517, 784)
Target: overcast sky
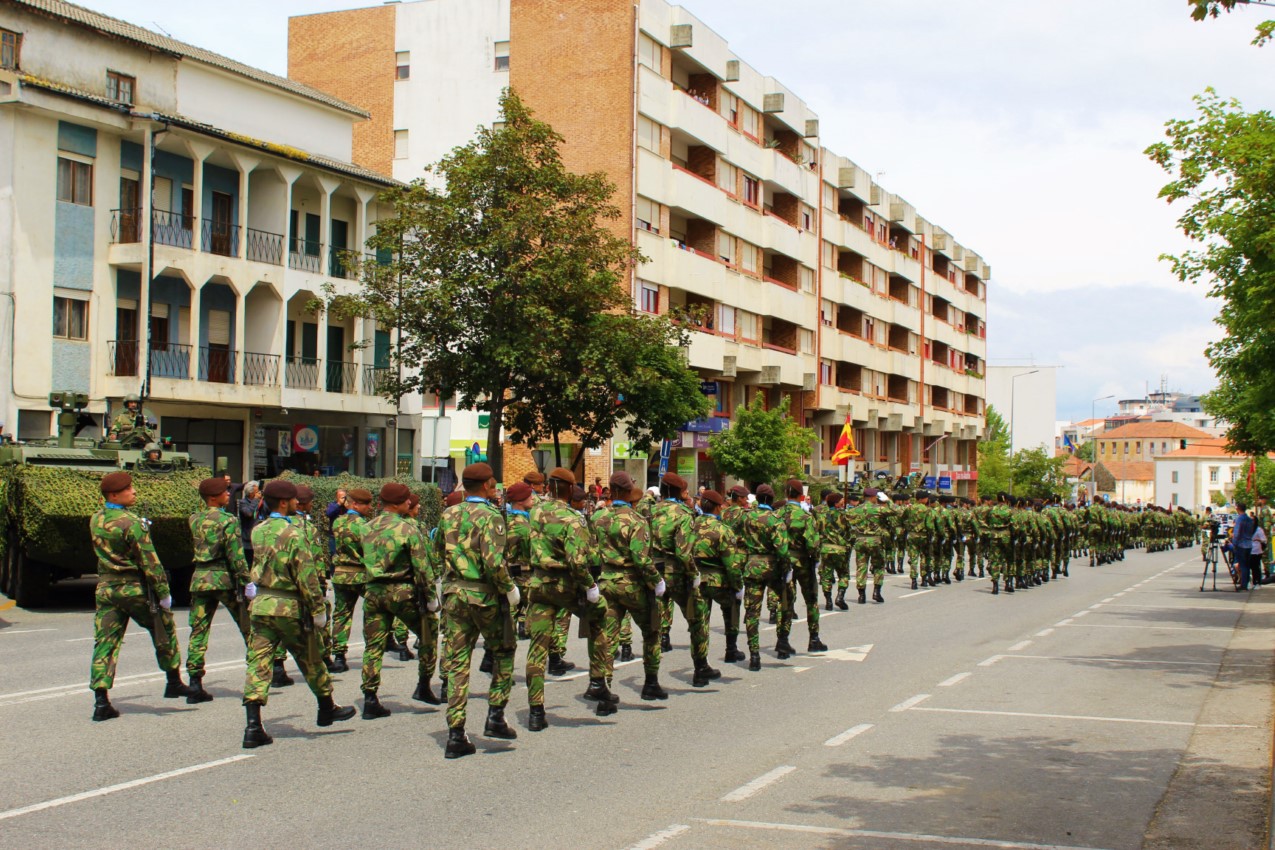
(1017, 126)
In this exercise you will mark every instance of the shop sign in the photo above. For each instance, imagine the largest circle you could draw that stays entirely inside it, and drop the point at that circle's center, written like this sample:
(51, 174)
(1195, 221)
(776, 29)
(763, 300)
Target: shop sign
(305, 438)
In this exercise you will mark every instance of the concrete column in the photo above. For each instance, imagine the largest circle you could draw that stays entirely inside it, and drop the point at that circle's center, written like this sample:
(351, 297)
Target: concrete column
(196, 321)
(327, 185)
(241, 329)
(361, 229)
(245, 164)
(199, 151)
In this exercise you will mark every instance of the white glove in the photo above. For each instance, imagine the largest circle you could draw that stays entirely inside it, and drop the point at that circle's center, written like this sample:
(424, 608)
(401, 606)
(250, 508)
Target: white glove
(787, 577)
(432, 606)
(660, 588)
(695, 582)
(166, 603)
(249, 591)
(513, 596)
(593, 594)
(320, 619)
(739, 594)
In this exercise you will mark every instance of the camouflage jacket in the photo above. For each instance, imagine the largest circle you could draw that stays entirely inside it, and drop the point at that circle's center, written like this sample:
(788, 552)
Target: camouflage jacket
(517, 541)
(828, 521)
(394, 551)
(914, 522)
(314, 542)
(734, 514)
(803, 532)
(999, 519)
(284, 571)
(624, 544)
(125, 553)
(218, 549)
(865, 522)
(717, 553)
(764, 532)
(892, 522)
(471, 539)
(561, 542)
(349, 530)
(672, 533)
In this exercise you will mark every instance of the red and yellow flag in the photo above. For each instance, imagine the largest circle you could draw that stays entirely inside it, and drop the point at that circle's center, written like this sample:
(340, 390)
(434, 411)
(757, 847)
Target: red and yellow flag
(845, 450)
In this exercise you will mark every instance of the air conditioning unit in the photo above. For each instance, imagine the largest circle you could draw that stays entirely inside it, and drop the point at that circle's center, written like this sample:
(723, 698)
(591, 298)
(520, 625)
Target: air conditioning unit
(809, 382)
(680, 37)
(732, 71)
(772, 103)
(728, 366)
(769, 375)
(812, 127)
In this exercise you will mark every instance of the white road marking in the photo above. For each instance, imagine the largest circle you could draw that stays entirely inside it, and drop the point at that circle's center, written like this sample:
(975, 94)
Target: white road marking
(1044, 633)
(850, 653)
(955, 680)
(1080, 614)
(1122, 593)
(23, 631)
(1151, 628)
(1066, 622)
(1129, 660)
(893, 836)
(1089, 717)
(988, 662)
(852, 732)
(743, 792)
(1022, 644)
(656, 839)
(1108, 599)
(123, 786)
(146, 634)
(918, 593)
(800, 669)
(911, 701)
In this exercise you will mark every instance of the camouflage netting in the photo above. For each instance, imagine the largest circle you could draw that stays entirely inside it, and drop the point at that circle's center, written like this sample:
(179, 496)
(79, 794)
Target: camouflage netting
(51, 507)
(325, 491)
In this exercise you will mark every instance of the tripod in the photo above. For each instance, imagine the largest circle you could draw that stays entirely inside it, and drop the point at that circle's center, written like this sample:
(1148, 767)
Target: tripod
(1210, 564)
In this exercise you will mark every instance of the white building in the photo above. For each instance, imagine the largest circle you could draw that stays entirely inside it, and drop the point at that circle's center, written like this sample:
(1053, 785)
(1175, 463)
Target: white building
(116, 143)
(1191, 476)
(1026, 397)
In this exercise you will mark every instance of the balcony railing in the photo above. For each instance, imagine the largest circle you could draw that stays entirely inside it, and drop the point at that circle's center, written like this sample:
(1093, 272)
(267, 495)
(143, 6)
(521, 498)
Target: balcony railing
(260, 370)
(302, 373)
(263, 247)
(219, 237)
(126, 225)
(339, 258)
(122, 354)
(374, 378)
(170, 360)
(305, 256)
(216, 365)
(341, 376)
(168, 228)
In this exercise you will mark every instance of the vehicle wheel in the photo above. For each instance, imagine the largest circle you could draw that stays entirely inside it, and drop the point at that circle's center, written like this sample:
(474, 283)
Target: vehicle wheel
(31, 580)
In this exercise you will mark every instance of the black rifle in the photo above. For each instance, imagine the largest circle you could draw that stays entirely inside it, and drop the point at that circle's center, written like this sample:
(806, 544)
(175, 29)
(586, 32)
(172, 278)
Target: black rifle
(158, 626)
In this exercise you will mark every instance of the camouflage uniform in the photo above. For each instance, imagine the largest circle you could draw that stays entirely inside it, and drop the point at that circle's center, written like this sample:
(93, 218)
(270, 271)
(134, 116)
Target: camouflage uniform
(126, 564)
(400, 584)
(833, 564)
(470, 543)
(916, 525)
(764, 537)
(866, 527)
(518, 533)
(720, 559)
(349, 576)
(999, 545)
(219, 575)
(628, 573)
(803, 552)
(672, 536)
(289, 595)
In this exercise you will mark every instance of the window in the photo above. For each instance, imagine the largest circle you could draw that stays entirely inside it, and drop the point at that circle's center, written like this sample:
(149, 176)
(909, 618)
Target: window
(1126, 446)
(648, 298)
(729, 105)
(1235, 474)
(721, 400)
(1137, 447)
(649, 53)
(807, 218)
(1102, 448)
(827, 312)
(825, 372)
(400, 144)
(648, 134)
(1164, 447)
(502, 56)
(1212, 474)
(806, 340)
(10, 49)
(1175, 477)
(726, 319)
(120, 87)
(648, 214)
(752, 191)
(747, 325)
(70, 318)
(807, 279)
(749, 257)
(726, 177)
(726, 247)
(403, 65)
(75, 181)
(749, 122)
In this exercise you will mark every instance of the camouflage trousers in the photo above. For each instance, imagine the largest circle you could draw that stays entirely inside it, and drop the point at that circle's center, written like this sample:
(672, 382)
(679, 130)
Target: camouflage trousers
(116, 605)
(325, 638)
(868, 557)
(682, 594)
(347, 596)
(916, 557)
(998, 555)
(548, 598)
(724, 597)
(267, 635)
(203, 605)
(803, 576)
(522, 580)
(626, 594)
(561, 628)
(626, 630)
(462, 623)
(383, 602)
(835, 566)
(756, 586)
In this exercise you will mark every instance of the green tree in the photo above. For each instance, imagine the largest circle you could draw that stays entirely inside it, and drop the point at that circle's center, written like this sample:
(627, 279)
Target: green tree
(996, 430)
(1218, 498)
(1103, 479)
(993, 467)
(1085, 451)
(1223, 167)
(1202, 9)
(500, 255)
(1038, 475)
(762, 446)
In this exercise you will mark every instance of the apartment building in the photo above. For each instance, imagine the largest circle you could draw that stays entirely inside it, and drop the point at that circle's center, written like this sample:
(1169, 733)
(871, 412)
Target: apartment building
(170, 217)
(800, 277)
(1200, 474)
(1145, 441)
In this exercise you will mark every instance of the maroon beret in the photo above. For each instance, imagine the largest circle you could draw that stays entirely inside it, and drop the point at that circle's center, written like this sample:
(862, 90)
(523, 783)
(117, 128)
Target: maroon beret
(210, 487)
(765, 490)
(534, 477)
(795, 485)
(870, 493)
(622, 481)
(578, 494)
(394, 493)
(672, 479)
(116, 482)
(831, 498)
(413, 500)
(739, 491)
(559, 473)
(358, 494)
(712, 497)
(277, 488)
(479, 472)
(518, 491)
(304, 494)
(453, 498)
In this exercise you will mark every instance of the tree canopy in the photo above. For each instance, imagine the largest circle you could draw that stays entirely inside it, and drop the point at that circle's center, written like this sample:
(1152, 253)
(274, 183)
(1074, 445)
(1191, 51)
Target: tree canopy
(762, 446)
(1203, 9)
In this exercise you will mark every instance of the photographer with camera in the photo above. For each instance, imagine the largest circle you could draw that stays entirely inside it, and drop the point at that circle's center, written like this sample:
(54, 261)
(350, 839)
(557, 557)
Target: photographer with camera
(1242, 543)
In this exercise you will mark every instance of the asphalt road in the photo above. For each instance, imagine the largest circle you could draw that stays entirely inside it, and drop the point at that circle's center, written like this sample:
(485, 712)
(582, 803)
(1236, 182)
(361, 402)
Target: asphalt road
(1055, 717)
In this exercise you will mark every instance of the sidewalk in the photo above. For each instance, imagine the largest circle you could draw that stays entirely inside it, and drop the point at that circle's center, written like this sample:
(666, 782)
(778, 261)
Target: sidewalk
(1220, 795)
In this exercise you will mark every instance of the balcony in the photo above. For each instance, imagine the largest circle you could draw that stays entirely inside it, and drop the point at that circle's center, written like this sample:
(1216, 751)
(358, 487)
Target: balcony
(216, 365)
(302, 373)
(319, 259)
(263, 247)
(260, 370)
(219, 237)
(167, 228)
(374, 378)
(170, 360)
(340, 376)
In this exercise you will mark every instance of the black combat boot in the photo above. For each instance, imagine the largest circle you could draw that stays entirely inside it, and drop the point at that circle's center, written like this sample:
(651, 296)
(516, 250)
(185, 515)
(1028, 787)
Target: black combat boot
(424, 692)
(1066, 574)
(651, 689)
(458, 743)
(339, 665)
(558, 666)
(372, 708)
(960, 574)
(605, 708)
(392, 644)
(754, 661)
(1009, 584)
(925, 581)
(496, 726)
(782, 648)
(863, 593)
(947, 578)
(102, 708)
(816, 645)
(405, 654)
(995, 587)
(254, 734)
(703, 673)
(827, 600)
(197, 693)
(330, 663)
(914, 582)
(626, 652)
(485, 665)
(732, 650)
(280, 679)
(876, 593)
(666, 644)
(536, 720)
(175, 688)
(841, 600)
(330, 712)
(598, 691)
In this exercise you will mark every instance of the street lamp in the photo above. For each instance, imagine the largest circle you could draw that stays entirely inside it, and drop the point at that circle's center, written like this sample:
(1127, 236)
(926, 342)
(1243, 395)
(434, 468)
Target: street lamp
(1011, 422)
(1093, 414)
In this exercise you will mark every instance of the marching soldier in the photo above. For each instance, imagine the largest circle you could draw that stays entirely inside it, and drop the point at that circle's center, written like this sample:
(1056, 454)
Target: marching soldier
(287, 610)
(130, 586)
(803, 536)
(220, 576)
(349, 576)
(314, 539)
(672, 521)
(518, 501)
(999, 544)
(470, 543)
(719, 558)
(764, 536)
(915, 523)
(866, 529)
(832, 550)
